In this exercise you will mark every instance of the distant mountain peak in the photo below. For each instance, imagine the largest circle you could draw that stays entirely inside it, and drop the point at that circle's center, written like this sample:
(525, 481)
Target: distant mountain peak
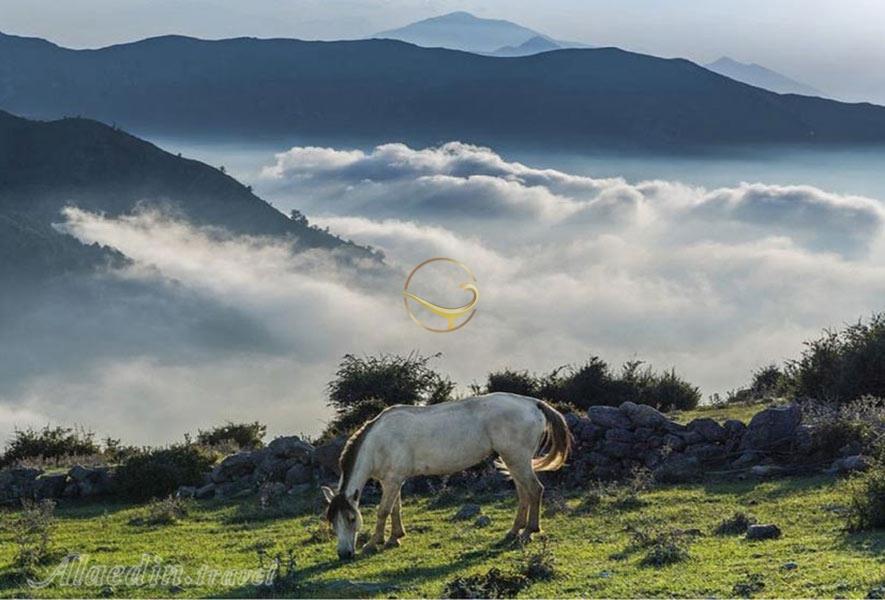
(760, 76)
(462, 30)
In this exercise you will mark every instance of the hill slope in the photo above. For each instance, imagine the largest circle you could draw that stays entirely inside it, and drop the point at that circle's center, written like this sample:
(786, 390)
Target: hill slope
(461, 31)
(399, 91)
(762, 77)
(45, 166)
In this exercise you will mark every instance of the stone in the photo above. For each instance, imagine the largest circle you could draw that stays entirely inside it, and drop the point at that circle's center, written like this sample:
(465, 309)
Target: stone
(709, 429)
(772, 429)
(482, 521)
(763, 471)
(618, 449)
(291, 447)
(674, 442)
(49, 486)
(233, 467)
(598, 459)
(746, 459)
(789, 566)
(207, 491)
(186, 491)
(674, 427)
(467, 511)
(79, 473)
(326, 455)
(298, 474)
(693, 437)
(734, 428)
(763, 532)
(620, 435)
(678, 468)
(274, 468)
(643, 415)
(608, 417)
(850, 464)
(706, 452)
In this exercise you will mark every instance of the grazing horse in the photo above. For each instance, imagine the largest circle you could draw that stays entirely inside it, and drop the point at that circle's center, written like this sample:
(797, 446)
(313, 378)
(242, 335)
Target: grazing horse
(404, 441)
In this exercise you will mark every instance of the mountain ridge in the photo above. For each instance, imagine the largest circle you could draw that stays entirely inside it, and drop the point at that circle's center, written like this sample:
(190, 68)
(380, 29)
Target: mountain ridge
(760, 76)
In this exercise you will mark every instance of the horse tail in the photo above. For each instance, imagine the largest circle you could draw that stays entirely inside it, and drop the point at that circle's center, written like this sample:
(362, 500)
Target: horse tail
(558, 440)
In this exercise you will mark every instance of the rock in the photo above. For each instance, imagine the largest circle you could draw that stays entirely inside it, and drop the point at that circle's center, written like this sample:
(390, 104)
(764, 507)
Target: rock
(693, 437)
(746, 459)
(618, 449)
(674, 442)
(326, 455)
(233, 467)
(86, 488)
(291, 447)
(72, 490)
(608, 417)
(709, 429)
(772, 429)
(598, 459)
(763, 471)
(789, 566)
(274, 468)
(303, 488)
(274, 489)
(298, 474)
(17, 483)
(850, 464)
(207, 491)
(804, 442)
(674, 427)
(763, 532)
(706, 452)
(186, 491)
(482, 521)
(467, 511)
(734, 428)
(79, 473)
(643, 415)
(620, 435)
(49, 486)
(678, 468)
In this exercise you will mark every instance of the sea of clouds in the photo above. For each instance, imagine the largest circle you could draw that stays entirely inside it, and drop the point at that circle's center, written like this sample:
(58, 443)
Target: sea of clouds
(205, 326)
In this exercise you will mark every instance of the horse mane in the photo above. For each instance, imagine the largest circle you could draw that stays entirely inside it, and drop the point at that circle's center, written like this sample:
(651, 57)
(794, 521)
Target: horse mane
(347, 461)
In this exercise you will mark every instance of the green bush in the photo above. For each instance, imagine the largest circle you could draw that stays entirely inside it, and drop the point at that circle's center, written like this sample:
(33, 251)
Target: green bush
(159, 472)
(515, 382)
(31, 531)
(834, 425)
(841, 366)
(362, 384)
(49, 443)
(244, 435)
(866, 506)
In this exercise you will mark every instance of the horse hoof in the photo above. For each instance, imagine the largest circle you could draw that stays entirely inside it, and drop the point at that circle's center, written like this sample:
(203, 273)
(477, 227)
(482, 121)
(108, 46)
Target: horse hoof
(370, 549)
(392, 543)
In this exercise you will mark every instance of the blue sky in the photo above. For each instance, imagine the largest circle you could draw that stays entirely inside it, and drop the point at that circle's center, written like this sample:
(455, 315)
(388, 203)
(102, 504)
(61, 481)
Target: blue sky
(835, 46)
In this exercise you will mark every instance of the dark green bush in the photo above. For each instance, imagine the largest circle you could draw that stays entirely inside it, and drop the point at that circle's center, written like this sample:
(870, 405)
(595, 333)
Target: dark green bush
(50, 443)
(360, 384)
(841, 366)
(834, 425)
(515, 382)
(866, 506)
(159, 472)
(244, 435)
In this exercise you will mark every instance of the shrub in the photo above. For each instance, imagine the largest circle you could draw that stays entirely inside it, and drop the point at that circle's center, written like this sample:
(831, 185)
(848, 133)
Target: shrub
(494, 583)
(159, 472)
(244, 435)
(163, 512)
(866, 504)
(51, 443)
(515, 382)
(31, 530)
(768, 382)
(860, 422)
(666, 551)
(841, 366)
(538, 564)
(736, 524)
(389, 379)
(746, 588)
(669, 391)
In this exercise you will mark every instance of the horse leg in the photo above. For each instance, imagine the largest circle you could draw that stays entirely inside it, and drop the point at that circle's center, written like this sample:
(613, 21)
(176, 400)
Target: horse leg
(536, 492)
(531, 490)
(389, 492)
(521, 513)
(396, 521)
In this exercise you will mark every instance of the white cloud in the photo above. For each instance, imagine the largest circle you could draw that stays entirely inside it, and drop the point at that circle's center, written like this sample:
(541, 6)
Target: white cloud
(207, 326)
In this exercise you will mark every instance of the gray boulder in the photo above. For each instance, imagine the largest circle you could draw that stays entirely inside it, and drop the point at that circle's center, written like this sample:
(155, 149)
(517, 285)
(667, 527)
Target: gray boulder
(734, 428)
(467, 511)
(49, 486)
(186, 491)
(79, 473)
(643, 415)
(763, 532)
(620, 435)
(706, 452)
(298, 474)
(608, 417)
(291, 447)
(675, 442)
(17, 482)
(207, 491)
(772, 429)
(709, 429)
(619, 449)
(326, 455)
(233, 467)
(850, 464)
(678, 468)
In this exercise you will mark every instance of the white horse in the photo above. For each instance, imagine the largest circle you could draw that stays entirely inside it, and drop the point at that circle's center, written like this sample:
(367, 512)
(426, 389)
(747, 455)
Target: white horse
(404, 441)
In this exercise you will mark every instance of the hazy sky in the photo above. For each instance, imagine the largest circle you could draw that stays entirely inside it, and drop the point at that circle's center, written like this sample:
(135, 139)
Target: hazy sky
(837, 47)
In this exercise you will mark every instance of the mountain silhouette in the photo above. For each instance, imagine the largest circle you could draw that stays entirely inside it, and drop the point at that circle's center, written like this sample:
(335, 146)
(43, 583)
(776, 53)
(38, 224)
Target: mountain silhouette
(761, 77)
(46, 166)
(461, 31)
(393, 90)
(534, 45)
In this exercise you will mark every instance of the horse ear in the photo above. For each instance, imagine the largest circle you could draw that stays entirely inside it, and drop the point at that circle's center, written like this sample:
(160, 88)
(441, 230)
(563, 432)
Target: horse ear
(328, 493)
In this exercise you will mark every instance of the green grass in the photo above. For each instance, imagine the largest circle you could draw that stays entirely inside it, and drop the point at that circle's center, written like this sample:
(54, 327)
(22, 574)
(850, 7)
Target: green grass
(594, 555)
(740, 411)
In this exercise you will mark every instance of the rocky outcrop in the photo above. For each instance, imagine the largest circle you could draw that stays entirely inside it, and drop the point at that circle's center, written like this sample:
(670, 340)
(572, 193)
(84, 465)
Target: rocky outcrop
(22, 483)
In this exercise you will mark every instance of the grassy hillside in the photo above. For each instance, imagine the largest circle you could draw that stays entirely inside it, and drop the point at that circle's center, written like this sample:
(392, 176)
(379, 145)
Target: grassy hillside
(592, 550)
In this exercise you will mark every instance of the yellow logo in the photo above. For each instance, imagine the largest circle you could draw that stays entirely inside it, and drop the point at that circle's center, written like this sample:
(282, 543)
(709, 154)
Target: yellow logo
(454, 316)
